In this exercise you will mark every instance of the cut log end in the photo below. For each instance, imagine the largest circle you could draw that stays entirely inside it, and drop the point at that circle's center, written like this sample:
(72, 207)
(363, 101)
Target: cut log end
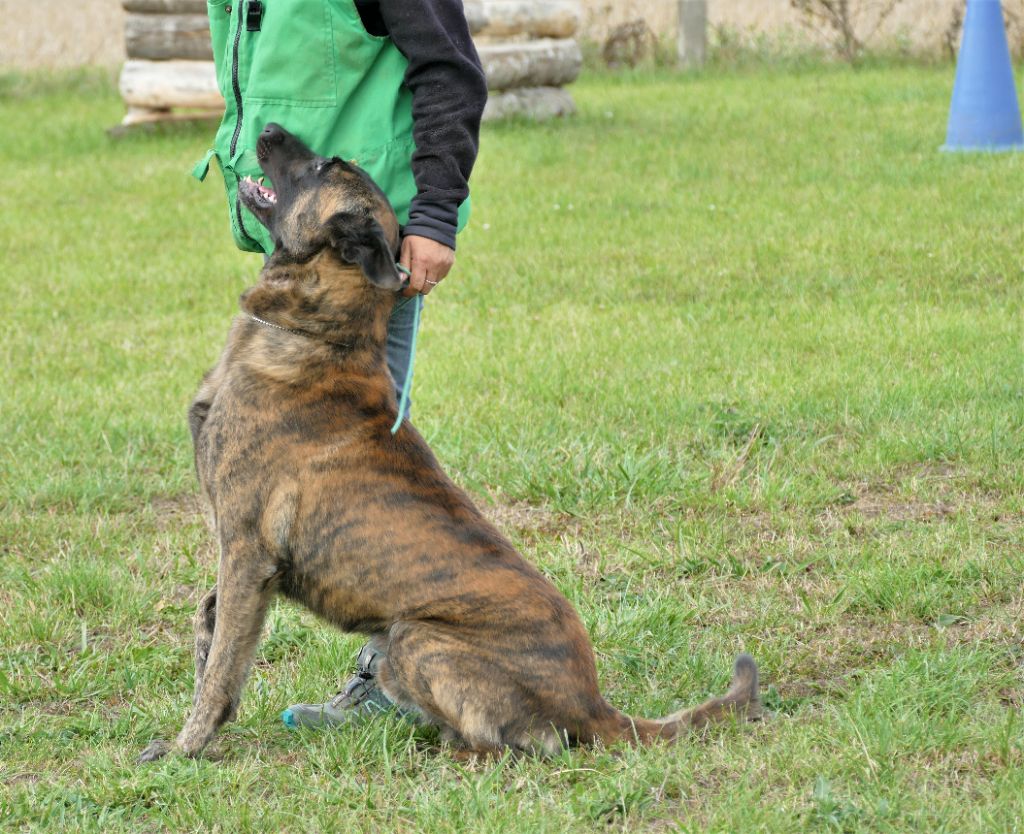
(529, 18)
(164, 6)
(540, 63)
(537, 103)
(156, 85)
(157, 37)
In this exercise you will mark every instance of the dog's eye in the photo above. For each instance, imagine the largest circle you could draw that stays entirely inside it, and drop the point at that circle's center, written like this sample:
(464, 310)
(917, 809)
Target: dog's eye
(324, 164)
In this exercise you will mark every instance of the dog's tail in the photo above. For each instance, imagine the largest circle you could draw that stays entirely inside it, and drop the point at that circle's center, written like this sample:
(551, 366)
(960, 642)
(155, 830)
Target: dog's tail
(742, 702)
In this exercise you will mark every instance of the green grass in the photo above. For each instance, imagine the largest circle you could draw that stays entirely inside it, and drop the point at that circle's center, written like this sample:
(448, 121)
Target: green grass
(736, 358)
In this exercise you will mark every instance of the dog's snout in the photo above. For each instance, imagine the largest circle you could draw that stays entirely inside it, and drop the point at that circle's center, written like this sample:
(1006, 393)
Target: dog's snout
(273, 133)
(270, 137)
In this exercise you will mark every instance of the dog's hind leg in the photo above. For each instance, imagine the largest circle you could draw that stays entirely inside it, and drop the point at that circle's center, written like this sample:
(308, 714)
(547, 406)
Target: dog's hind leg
(206, 617)
(212, 381)
(434, 669)
(198, 413)
(203, 401)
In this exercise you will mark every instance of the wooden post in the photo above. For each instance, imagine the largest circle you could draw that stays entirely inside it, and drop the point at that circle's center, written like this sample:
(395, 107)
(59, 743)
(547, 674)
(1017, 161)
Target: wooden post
(693, 32)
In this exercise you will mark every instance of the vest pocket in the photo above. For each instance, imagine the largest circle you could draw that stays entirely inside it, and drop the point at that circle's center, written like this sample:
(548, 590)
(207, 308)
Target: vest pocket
(291, 59)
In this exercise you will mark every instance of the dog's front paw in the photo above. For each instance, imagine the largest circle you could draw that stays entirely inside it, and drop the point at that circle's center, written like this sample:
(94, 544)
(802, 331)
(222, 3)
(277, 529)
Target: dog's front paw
(157, 750)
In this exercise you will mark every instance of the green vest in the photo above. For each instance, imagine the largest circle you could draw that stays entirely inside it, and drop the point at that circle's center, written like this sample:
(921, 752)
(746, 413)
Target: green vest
(311, 66)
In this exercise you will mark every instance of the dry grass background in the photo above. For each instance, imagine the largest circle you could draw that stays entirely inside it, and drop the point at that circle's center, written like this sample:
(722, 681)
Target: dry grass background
(921, 25)
(45, 33)
(56, 33)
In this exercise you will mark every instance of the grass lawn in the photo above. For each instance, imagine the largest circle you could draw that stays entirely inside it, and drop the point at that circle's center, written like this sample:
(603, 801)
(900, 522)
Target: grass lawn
(736, 358)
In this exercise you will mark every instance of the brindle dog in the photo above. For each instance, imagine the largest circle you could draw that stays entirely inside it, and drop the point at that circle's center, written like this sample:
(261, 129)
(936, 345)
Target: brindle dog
(313, 497)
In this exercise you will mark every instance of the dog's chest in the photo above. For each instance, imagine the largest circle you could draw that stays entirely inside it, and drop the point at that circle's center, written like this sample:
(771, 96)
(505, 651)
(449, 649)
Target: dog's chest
(241, 441)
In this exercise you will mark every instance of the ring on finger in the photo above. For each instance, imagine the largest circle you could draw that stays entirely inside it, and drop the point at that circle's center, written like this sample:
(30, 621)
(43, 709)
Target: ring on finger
(428, 281)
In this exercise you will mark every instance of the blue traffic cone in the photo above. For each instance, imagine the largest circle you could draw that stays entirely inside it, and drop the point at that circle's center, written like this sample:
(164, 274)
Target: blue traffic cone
(984, 114)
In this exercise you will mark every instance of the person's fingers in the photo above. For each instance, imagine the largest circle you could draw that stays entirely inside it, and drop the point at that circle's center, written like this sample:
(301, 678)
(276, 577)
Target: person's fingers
(428, 262)
(418, 279)
(405, 258)
(443, 267)
(430, 277)
(408, 290)
(426, 268)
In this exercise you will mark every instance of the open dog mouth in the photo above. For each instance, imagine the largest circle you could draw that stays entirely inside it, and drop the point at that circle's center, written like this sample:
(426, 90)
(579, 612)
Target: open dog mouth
(255, 194)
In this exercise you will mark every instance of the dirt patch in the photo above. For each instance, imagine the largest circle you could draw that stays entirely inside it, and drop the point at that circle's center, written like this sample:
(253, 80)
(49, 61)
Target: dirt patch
(22, 779)
(884, 506)
(524, 518)
(174, 510)
(1013, 698)
(1000, 624)
(592, 565)
(919, 493)
(180, 596)
(834, 654)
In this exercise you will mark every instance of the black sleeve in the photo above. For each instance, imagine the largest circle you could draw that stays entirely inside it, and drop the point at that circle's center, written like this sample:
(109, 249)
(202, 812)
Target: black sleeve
(449, 92)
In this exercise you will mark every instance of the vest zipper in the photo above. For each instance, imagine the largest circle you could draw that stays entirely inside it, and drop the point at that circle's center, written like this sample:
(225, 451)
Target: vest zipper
(235, 87)
(237, 90)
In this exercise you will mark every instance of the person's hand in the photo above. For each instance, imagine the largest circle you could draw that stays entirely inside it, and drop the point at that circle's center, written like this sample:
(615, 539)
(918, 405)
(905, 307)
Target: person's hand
(427, 261)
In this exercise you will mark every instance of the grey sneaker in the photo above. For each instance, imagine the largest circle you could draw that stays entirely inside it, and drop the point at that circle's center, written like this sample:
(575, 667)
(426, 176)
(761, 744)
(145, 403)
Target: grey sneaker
(361, 698)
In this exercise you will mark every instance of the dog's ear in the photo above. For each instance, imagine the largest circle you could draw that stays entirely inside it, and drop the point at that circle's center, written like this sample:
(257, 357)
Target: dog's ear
(360, 240)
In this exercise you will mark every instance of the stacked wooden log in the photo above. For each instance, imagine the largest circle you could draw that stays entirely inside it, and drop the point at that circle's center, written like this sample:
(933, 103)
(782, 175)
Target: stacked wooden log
(528, 49)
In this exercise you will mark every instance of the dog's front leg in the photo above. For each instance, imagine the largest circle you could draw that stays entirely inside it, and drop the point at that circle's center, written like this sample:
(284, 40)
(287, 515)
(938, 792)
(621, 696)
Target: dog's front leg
(237, 607)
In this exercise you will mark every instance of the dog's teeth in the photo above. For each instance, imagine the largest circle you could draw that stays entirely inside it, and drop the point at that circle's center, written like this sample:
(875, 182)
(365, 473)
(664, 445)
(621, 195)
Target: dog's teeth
(260, 180)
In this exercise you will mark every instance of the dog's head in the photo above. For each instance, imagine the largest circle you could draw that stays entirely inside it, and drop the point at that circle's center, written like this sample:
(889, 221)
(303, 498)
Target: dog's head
(320, 203)
(335, 234)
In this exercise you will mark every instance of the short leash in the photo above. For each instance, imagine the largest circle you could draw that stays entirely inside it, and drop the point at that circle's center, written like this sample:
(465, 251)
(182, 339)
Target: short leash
(403, 402)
